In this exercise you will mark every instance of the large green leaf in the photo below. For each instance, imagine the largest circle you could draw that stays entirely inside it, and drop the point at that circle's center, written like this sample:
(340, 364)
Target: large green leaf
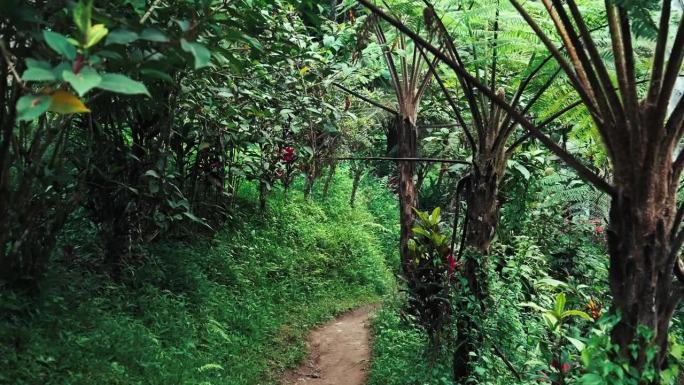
(198, 51)
(153, 73)
(121, 36)
(30, 107)
(60, 44)
(37, 74)
(33, 63)
(152, 34)
(84, 81)
(122, 84)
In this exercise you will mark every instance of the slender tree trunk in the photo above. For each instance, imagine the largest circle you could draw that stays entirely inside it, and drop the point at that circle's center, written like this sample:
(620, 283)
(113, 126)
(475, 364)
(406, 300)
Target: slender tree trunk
(263, 191)
(355, 184)
(308, 187)
(329, 179)
(406, 131)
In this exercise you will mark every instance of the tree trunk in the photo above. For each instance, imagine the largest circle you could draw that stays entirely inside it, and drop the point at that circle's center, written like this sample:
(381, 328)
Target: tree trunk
(328, 180)
(263, 191)
(640, 240)
(483, 217)
(355, 184)
(407, 133)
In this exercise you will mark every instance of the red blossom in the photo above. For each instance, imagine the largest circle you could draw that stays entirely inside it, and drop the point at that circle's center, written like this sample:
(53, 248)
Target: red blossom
(288, 154)
(451, 261)
(564, 368)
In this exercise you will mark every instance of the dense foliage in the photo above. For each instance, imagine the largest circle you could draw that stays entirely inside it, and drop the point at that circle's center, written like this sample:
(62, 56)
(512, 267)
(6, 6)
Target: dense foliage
(229, 309)
(186, 187)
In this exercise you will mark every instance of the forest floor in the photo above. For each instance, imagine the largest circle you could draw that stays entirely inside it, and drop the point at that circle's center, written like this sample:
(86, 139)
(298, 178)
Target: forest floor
(339, 352)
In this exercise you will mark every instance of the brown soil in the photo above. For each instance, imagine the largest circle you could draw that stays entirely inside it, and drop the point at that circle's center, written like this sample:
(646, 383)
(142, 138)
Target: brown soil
(338, 352)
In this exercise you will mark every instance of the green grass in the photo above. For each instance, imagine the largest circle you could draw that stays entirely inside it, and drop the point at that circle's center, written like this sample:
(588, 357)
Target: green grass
(229, 310)
(400, 351)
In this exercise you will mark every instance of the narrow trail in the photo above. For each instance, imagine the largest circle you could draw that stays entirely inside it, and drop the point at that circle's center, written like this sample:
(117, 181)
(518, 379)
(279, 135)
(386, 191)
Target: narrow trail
(339, 352)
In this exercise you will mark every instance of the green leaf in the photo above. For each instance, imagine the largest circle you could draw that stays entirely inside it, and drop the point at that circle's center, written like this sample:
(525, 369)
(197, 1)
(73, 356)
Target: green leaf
(82, 16)
(96, 33)
(522, 170)
(153, 73)
(576, 313)
(592, 379)
(420, 231)
(58, 71)
(198, 51)
(121, 36)
(551, 319)
(579, 345)
(36, 74)
(30, 107)
(122, 84)
(434, 217)
(560, 305)
(151, 34)
(60, 44)
(33, 63)
(153, 174)
(84, 81)
(183, 24)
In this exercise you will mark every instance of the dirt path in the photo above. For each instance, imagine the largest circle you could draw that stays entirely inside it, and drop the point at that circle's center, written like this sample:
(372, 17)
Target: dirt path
(338, 352)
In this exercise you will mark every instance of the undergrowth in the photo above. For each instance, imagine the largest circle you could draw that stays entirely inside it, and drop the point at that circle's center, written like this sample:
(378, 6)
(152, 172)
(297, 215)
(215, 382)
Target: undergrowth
(229, 310)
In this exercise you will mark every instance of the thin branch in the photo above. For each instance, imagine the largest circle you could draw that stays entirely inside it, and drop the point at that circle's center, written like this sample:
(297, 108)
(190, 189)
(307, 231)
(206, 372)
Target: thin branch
(365, 99)
(391, 159)
(6, 55)
(149, 12)
(659, 56)
(508, 363)
(391, 67)
(452, 104)
(672, 72)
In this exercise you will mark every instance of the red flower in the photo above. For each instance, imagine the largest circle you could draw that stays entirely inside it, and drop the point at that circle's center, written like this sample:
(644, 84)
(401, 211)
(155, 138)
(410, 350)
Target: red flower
(451, 261)
(288, 154)
(564, 368)
(599, 229)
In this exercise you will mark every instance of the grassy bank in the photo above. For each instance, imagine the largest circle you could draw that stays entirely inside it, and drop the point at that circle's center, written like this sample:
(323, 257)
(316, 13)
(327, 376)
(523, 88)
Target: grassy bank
(229, 310)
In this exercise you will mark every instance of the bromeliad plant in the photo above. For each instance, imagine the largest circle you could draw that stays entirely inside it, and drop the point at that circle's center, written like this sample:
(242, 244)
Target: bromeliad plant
(433, 268)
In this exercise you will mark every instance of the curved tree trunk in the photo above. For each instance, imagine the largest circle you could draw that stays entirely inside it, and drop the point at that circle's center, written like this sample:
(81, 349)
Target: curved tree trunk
(358, 172)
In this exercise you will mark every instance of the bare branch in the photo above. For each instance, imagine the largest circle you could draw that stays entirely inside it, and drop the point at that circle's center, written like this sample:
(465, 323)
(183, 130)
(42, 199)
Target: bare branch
(365, 99)
(452, 103)
(659, 56)
(391, 159)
